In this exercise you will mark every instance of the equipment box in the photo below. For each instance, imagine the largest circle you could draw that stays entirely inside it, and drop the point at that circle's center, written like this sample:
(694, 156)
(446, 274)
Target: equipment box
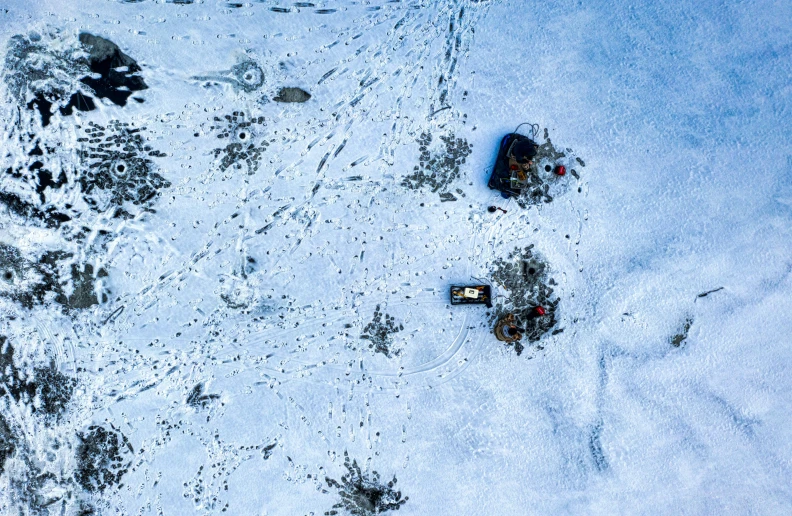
(472, 295)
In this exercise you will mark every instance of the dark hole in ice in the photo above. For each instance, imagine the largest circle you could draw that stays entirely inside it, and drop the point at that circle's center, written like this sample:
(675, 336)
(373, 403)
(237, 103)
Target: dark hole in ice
(45, 179)
(547, 168)
(79, 101)
(43, 106)
(531, 270)
(8, 275)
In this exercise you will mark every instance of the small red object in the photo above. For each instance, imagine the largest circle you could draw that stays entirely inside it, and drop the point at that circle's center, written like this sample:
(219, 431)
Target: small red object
(514, 167)
(560, 170)
(539, 310)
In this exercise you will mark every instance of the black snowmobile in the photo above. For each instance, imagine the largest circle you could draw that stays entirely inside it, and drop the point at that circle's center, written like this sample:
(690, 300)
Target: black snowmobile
(473, 295)
(513, 164)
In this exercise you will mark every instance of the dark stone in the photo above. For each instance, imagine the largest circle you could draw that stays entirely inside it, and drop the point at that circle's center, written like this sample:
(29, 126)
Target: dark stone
(83, 294)
(292, 94)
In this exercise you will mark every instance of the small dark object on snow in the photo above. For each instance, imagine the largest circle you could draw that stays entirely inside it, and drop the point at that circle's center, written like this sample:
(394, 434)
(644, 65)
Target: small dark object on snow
(291, 94)
(560, 170)
(197, 399)
(705, 294)
(513, 164)
(493, 209)
(475, 295)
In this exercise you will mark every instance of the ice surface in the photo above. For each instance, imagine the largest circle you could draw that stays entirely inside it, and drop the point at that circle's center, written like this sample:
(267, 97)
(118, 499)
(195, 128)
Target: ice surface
(229, 292)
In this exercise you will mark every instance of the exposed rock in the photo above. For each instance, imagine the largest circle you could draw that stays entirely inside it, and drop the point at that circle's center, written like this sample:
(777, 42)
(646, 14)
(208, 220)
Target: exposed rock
(292, 94)
(103, 457)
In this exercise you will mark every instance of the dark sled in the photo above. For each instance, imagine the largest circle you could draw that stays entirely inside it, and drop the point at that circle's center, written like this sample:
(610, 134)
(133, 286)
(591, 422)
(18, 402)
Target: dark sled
(504, 179)
(472, 295)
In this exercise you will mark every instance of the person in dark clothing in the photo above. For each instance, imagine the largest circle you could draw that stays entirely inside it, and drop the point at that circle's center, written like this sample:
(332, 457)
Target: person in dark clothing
(521, 154)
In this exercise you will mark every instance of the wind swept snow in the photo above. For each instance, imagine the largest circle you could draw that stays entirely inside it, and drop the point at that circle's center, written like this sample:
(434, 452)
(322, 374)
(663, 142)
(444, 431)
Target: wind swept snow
(228, 232)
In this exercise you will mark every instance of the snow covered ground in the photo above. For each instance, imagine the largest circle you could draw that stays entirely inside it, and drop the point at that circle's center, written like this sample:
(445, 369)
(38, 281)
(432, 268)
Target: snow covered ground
(220, 295)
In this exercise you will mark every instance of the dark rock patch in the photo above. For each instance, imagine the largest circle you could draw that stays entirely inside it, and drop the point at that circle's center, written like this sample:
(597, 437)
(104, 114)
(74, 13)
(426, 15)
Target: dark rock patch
(50, 217)
(197, 399)
(83, 293)
(292, 94)
(43, 106)
(45, 180)
(53, 389)
(103, 457)
(378, 333)
(438, 168)
(679, 339)
(363, 494)
(30, 282)
(117, 71)
(80, 101)
(526, 277)
(118, 171)
(32, 179)
(36, 67)
(246, 141)
(46, 390)
(7, 442)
